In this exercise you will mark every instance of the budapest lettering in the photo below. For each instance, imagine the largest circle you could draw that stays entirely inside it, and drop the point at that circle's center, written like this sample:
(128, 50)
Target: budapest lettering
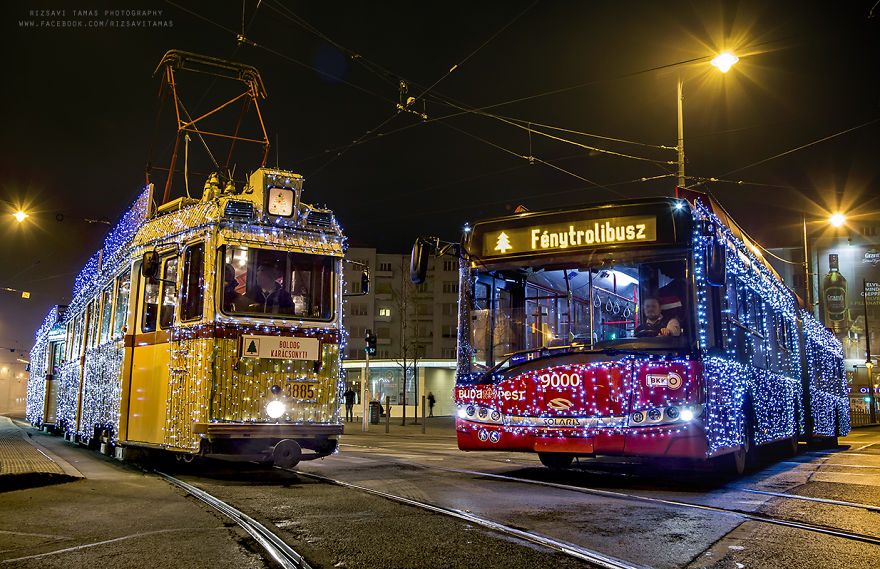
(558, 236)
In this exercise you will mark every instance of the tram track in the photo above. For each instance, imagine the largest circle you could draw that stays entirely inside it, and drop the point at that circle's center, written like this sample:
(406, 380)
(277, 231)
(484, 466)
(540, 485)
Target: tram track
(584, 554)
(747, 516)
(277, 549)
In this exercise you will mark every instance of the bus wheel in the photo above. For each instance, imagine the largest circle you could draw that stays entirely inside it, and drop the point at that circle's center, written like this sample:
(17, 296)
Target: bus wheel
(556, 460)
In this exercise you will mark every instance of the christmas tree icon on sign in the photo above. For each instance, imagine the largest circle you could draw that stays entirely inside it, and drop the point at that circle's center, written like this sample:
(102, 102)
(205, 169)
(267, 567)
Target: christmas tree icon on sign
(503, 243)
(253, 348)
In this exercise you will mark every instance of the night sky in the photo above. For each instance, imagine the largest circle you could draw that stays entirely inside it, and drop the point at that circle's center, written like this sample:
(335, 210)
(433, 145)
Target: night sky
(79, 109)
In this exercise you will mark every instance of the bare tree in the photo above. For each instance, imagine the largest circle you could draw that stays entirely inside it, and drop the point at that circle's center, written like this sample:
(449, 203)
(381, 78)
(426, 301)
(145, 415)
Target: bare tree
(410, 350)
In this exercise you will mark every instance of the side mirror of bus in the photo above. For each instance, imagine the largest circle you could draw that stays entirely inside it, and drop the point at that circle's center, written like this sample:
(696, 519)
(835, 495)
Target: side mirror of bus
(716, 263)
(418, 261)
(150, 265)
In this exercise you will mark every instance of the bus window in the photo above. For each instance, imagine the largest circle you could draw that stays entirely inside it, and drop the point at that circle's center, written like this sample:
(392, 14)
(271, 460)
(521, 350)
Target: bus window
(169, 293)
(193, 282)
(123, 287)
(150, 309)
(281, 284)
(106, 313)
(481, 329)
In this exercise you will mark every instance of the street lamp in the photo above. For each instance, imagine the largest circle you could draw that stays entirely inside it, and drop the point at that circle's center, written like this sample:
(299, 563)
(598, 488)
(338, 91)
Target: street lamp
(20, 216)
(836, 220)
(723, 62)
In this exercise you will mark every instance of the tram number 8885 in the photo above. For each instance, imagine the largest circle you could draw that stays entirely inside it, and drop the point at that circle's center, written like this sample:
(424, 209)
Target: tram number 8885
(557, 380)
(302, 391)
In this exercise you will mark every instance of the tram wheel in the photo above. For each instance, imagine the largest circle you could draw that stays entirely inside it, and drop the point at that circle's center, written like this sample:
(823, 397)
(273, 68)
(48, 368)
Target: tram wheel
(286, 454)
(556, 460)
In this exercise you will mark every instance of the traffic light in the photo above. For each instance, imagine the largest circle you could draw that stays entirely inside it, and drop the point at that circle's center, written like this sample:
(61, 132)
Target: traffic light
(370, 339)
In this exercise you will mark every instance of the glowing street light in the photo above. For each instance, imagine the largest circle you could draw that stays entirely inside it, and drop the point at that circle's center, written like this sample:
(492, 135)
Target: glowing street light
(837, 219)
(20, 216)
(724, 61)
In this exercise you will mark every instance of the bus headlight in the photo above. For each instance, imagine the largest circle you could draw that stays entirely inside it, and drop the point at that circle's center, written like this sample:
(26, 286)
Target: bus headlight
(275, 409)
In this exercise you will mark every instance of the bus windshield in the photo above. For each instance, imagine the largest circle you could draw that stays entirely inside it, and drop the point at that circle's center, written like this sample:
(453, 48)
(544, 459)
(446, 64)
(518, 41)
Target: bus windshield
(280, 284)
(637, 305)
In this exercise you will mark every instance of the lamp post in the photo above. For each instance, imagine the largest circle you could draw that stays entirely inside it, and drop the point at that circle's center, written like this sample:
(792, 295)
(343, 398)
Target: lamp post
(869, 363)
(836, 220)
(723, 62)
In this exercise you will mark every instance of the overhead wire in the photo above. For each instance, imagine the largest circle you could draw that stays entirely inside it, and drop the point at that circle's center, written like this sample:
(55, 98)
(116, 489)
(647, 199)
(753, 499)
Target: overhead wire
(574, 143)
(803, 146)
(399, 110)
(529, 158)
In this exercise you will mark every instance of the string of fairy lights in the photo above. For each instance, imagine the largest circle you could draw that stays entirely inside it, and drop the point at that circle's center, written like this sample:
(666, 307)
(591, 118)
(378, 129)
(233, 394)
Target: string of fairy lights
(760, 374)
(207, 381)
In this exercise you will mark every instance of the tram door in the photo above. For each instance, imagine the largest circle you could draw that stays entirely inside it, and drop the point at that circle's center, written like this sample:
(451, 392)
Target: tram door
(151, 355)
(50, 400)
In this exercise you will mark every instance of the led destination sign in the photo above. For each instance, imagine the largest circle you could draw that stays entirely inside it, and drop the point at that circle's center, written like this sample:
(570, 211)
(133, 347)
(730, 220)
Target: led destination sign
(552, 237)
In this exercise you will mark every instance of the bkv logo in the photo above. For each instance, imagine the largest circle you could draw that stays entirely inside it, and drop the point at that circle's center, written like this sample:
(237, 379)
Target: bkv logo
(671, 380)
(559, 404)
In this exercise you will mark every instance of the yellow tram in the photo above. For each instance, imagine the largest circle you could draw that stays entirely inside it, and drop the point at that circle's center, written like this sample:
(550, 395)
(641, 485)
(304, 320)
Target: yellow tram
(208, 327)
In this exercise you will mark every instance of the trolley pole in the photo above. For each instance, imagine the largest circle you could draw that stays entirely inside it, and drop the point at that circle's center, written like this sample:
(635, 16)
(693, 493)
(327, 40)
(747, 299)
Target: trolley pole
(365, 399)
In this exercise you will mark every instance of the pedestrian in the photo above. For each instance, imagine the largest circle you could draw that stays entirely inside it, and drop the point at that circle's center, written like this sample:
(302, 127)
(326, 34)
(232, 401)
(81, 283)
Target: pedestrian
(431, 401)
(349, 404)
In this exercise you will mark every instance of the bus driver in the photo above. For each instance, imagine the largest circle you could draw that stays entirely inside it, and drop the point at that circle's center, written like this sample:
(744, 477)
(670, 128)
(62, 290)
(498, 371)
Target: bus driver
(655, 324)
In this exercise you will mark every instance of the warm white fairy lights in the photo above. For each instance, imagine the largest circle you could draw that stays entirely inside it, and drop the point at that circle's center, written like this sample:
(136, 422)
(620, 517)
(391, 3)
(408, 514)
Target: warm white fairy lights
(207, 380)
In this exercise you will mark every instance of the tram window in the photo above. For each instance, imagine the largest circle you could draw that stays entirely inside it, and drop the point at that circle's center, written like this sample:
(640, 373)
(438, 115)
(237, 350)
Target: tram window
(169, 293)
(150, 310)
(193, 282)
(123, 288)
(265, 282)
(106, 313)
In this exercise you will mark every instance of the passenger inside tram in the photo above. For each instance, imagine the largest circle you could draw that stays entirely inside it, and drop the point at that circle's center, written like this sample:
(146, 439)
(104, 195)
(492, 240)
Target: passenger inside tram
(268, 295)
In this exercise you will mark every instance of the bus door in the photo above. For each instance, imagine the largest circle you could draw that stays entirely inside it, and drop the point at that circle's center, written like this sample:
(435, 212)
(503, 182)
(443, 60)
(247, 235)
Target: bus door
(151, 354)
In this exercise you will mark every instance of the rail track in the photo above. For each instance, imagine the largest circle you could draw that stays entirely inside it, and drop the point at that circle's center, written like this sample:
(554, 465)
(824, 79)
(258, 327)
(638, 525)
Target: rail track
(279, 551)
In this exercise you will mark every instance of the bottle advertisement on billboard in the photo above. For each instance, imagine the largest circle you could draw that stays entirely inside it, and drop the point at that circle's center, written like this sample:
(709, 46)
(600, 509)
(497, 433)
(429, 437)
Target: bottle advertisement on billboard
(849, 297)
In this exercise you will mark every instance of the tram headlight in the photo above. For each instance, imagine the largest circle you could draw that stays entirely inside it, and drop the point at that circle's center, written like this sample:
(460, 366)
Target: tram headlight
(687, 414)
(275, 409)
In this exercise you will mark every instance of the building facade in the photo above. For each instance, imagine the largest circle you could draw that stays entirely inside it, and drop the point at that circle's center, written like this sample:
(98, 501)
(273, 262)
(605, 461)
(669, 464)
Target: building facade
(415, 325)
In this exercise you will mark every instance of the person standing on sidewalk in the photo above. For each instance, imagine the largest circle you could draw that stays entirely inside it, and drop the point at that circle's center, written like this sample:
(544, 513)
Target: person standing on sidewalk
(349, 404)
(431, 401)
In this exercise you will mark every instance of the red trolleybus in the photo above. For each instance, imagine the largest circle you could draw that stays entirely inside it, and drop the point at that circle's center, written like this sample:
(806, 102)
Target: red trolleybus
(644, 329)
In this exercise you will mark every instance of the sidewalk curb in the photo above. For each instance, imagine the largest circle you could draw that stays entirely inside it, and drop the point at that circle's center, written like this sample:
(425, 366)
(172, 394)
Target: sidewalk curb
(38, 475)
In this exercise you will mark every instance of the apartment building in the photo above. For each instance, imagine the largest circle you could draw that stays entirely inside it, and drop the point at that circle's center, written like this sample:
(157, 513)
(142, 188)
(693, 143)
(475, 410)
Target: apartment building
(410, 321)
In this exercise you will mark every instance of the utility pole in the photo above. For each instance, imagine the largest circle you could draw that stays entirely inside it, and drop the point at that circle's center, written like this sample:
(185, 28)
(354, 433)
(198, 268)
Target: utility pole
(680, 146)
(869, 363)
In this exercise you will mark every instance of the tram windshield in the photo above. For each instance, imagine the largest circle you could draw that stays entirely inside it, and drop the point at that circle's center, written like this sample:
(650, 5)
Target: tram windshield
(639, 305)
(280, 284)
